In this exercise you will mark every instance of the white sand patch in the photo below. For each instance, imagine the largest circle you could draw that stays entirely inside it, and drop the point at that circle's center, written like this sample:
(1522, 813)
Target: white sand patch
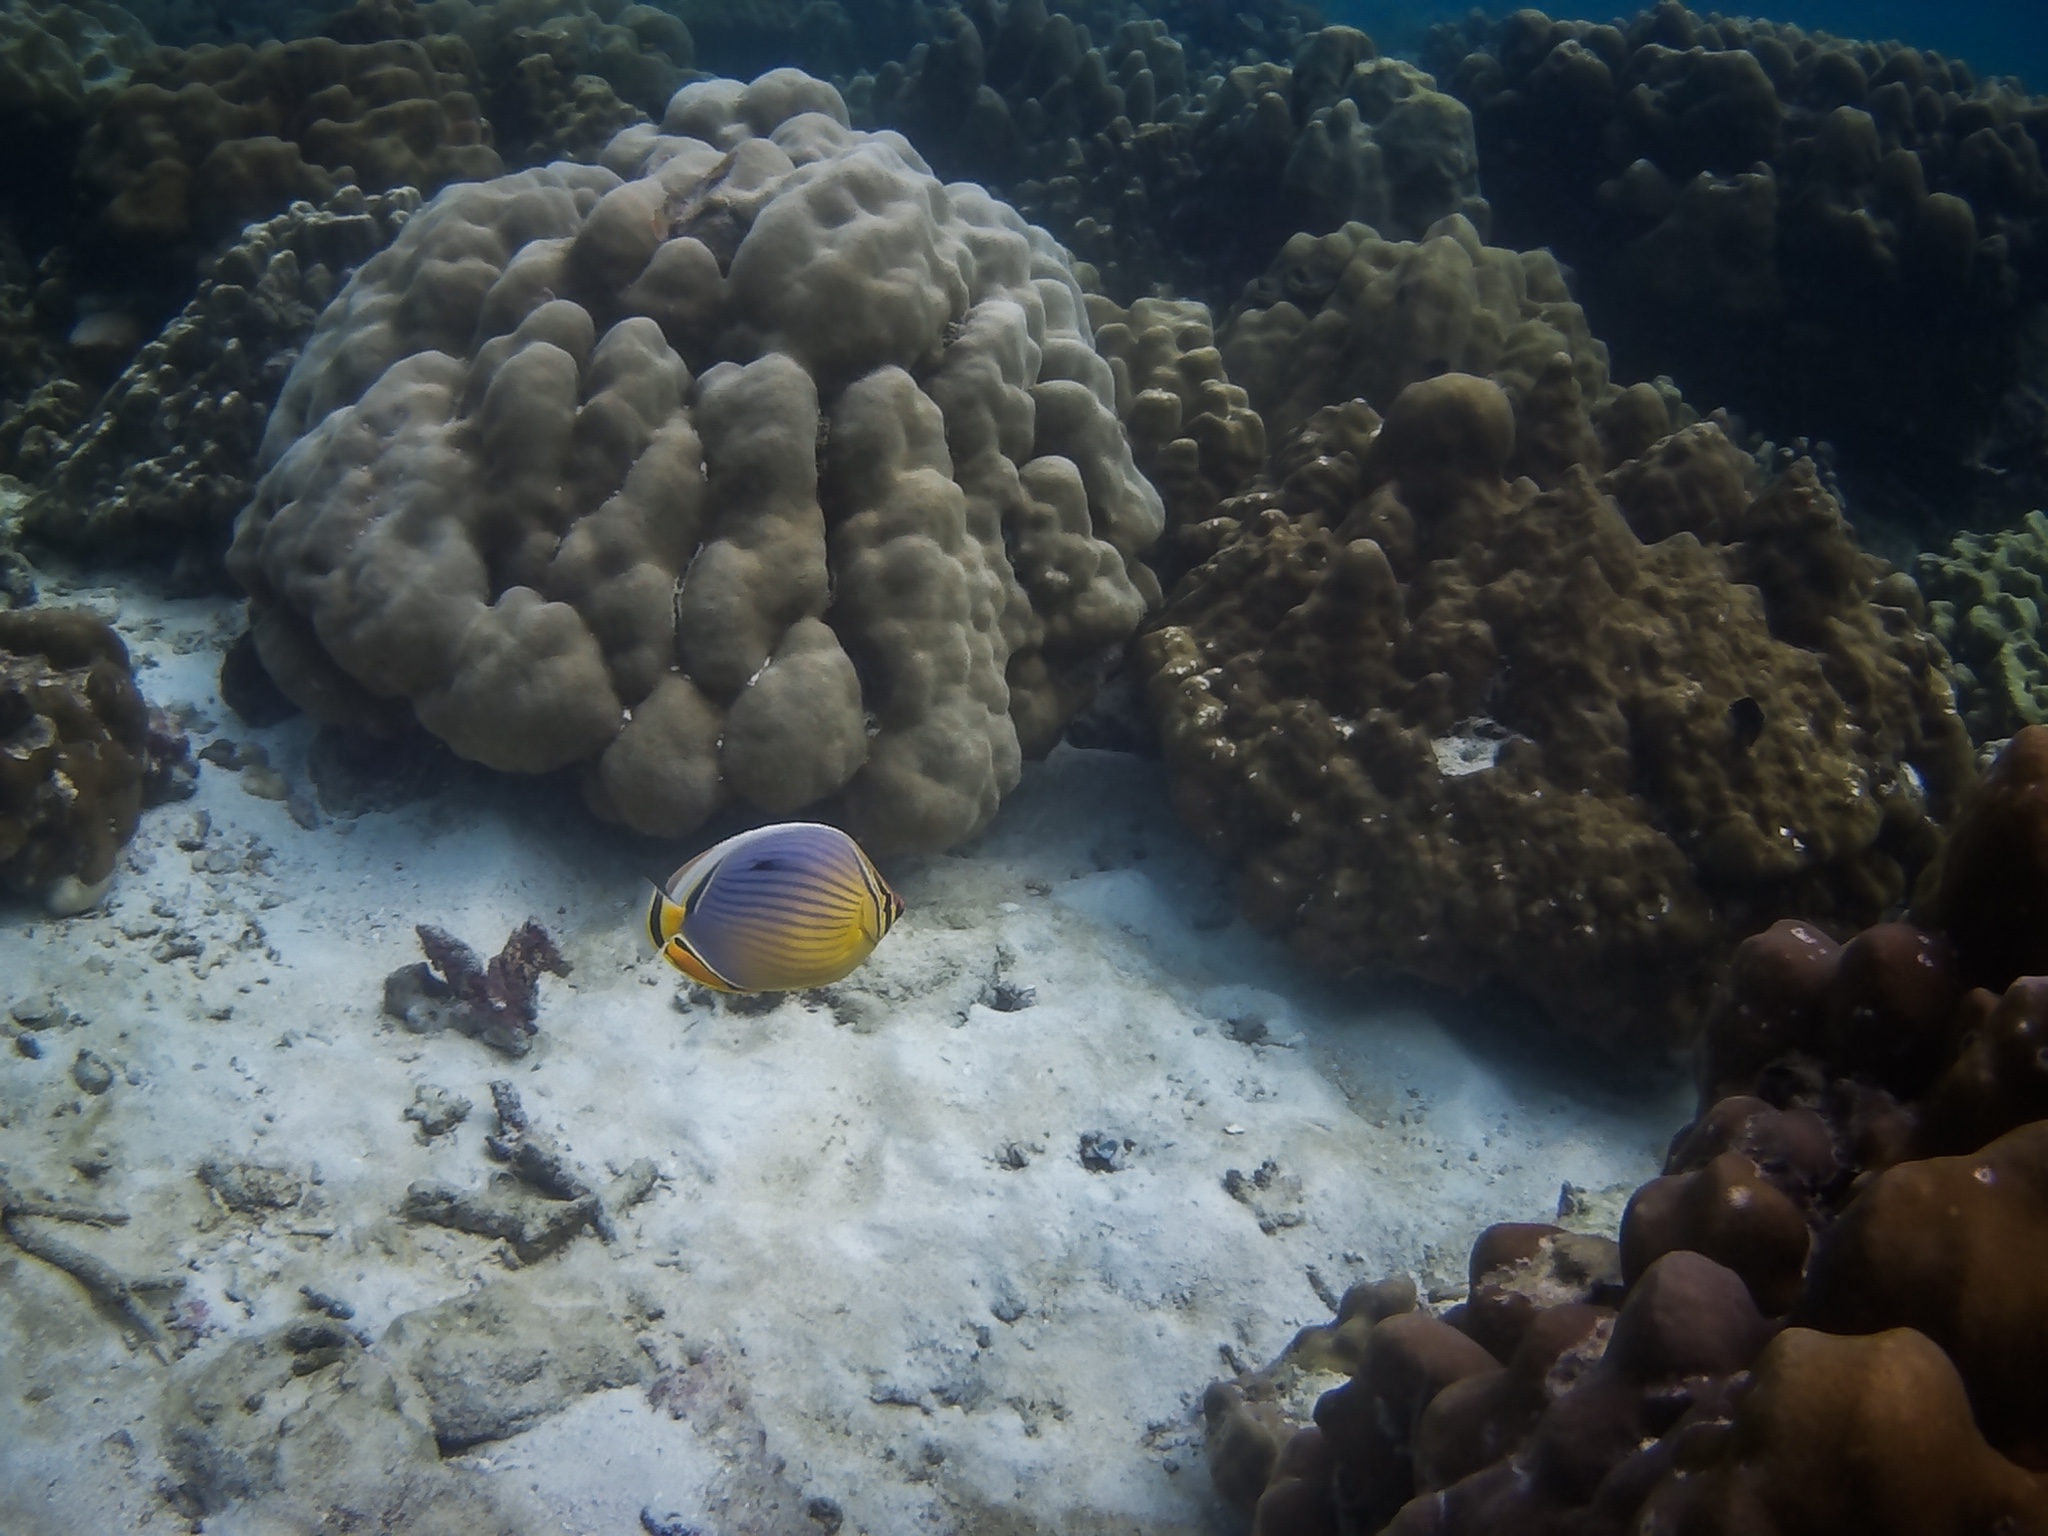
(855, 1301)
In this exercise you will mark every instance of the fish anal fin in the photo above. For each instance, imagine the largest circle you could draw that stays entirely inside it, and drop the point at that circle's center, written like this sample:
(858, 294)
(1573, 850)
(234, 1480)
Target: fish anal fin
(691, 964)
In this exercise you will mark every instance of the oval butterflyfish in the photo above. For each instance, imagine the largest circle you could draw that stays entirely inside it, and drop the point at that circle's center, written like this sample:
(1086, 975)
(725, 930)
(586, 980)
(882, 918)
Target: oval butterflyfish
(777, 909)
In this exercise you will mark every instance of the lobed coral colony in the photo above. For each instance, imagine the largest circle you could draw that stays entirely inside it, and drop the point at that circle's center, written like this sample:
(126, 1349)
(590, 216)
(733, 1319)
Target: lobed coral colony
(1823, 1316)
(593, 391)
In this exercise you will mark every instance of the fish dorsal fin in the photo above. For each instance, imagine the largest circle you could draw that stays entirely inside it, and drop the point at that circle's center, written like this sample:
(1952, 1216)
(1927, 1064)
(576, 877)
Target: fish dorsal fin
(688, 882)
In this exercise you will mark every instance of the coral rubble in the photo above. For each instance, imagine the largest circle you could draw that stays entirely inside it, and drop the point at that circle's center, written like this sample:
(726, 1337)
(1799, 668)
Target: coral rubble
(495, 1002)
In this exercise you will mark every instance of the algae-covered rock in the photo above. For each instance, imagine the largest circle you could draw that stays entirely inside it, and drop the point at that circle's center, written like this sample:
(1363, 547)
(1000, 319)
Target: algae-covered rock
(80, 755)
(496, 1362)
(306, 1425)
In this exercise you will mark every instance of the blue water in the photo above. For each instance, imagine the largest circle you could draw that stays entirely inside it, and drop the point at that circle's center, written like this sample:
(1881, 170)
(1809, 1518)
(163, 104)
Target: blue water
(1996, 37)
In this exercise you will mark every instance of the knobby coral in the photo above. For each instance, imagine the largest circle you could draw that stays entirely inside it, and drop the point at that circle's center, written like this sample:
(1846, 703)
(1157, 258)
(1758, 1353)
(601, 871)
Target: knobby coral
(1825, 1316)
(81, 755)
(752, 464)
(1835, 238)
(1464, 710)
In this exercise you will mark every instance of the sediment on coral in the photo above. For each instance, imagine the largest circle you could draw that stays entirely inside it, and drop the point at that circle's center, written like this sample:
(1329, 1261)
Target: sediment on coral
(1474, 697)
(1836, 238)
(667, 470)
(1819, 1318)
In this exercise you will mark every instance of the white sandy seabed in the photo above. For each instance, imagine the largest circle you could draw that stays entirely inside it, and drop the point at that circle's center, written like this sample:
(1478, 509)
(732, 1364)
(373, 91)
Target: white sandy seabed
(840, 1307)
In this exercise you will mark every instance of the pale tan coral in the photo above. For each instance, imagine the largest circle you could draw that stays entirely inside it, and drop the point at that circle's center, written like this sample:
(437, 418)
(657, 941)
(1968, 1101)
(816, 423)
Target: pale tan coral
(750, 464)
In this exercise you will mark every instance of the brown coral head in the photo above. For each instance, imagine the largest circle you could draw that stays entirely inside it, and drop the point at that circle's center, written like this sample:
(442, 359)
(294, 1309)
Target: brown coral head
(1888, 1008)
(1770, 1005)
(1850, 1437)
(1998, 1078)
(1444, 434)
(1728, 1212)
(1686, 1316)
(1992, 897)
(1956, 1248)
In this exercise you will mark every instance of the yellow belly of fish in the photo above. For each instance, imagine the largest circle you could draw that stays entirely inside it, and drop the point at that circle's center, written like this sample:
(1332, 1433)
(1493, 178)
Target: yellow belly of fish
(774, 967)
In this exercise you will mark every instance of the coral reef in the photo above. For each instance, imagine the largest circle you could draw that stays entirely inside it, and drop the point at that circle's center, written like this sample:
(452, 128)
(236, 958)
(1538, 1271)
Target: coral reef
(1165, 179)
(1985, 597)
(81, 755)
(560, 80)
(42, 398)
(1350, 315)
(168, 456)
(497, 1003)
(201, 140)
(58, 64)
(1835, 238)
(1464, 711)
(1823, 1319)
(1193, 432)
(679, 470)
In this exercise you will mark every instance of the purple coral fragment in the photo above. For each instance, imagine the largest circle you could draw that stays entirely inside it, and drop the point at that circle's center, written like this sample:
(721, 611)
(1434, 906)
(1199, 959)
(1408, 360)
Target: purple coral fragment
(496, 1002)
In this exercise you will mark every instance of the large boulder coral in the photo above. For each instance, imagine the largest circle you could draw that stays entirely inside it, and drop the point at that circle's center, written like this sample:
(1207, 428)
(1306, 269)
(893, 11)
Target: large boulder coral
(58, 63)
(1828, 1314)
(1164, 176)
(560, 79)
(1194, 432)
(754, 464)
(1580, 740)
(201, 140)
(1835, 238)
(1352, 315)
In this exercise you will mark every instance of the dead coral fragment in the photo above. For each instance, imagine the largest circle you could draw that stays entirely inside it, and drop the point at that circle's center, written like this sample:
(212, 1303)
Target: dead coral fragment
(540, 1202)
(110, 1293)
(495, 1002)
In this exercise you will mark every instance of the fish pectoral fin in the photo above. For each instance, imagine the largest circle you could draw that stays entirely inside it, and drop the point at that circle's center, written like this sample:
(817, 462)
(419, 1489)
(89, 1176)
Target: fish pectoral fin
(691, 964)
